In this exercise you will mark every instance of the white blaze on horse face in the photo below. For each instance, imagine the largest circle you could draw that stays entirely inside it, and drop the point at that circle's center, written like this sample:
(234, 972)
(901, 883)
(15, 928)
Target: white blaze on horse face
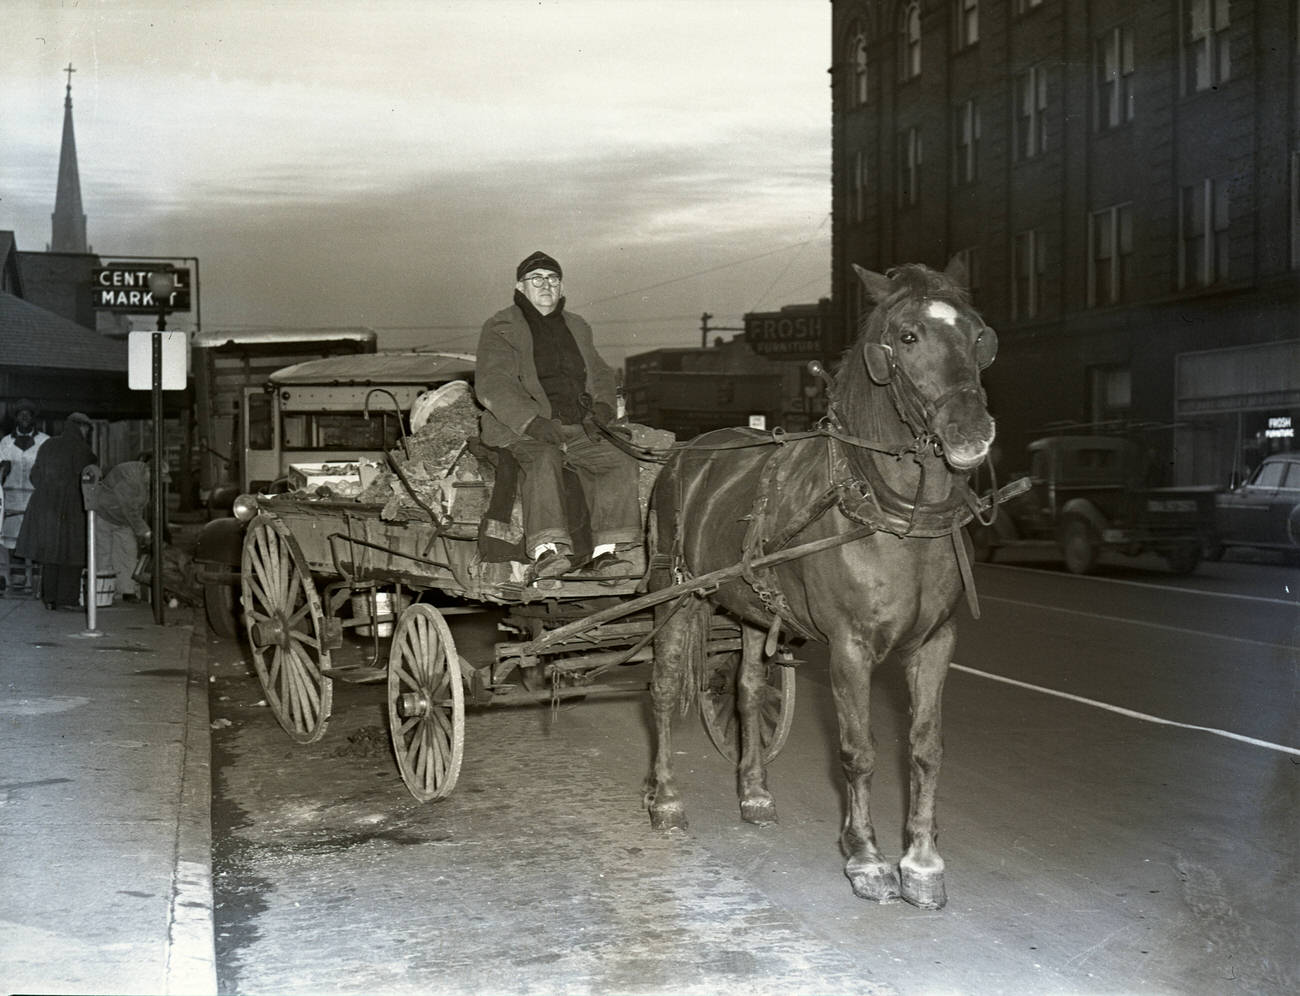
(942, 311)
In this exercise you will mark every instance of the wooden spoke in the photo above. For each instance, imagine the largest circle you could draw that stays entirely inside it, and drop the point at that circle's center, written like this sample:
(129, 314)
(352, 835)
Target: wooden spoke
(426, 703)
(286, 629)
(718, 707)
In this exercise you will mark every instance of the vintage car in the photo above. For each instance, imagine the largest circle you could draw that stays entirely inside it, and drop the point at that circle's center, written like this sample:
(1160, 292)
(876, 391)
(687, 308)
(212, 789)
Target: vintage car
(1263, 513)
(1091, 493)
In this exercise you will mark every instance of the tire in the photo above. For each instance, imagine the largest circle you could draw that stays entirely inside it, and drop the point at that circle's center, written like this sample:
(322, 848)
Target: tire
(1079, 546)
(220, 607)
(1184, 559)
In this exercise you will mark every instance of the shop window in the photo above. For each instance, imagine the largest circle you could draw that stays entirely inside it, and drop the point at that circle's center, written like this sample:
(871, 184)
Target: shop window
(1110, 393)
(909, 167)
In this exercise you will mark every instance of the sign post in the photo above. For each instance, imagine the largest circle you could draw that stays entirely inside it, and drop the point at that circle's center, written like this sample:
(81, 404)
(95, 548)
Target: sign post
(162, 283)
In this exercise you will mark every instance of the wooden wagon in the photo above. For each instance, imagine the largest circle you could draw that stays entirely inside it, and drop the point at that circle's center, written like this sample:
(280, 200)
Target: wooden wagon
(334, 590)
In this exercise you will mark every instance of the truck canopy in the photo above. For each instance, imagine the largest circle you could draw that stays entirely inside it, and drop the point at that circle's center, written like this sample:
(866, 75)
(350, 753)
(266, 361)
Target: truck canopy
(381, 369)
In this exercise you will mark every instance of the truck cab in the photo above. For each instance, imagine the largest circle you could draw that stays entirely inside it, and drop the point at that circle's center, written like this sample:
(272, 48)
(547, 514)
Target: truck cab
(337, 410)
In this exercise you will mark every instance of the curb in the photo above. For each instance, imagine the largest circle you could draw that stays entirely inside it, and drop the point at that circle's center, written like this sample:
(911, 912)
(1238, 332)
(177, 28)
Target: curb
(191, 951)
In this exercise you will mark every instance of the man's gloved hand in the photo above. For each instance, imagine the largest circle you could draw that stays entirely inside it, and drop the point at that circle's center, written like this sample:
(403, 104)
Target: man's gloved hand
(544, 430)
(602, 413)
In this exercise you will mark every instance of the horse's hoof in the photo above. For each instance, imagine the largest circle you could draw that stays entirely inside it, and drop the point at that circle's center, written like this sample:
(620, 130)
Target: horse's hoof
(758, 811)
(877, 883)
(668, 816)
(924, 890)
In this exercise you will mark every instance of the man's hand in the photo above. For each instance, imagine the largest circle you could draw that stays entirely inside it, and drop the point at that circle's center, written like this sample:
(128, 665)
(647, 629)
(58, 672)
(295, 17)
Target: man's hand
(602, 413)
(545, 430)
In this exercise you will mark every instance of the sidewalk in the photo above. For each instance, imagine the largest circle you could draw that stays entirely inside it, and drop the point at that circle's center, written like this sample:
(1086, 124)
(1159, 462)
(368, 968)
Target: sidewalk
(105, 834)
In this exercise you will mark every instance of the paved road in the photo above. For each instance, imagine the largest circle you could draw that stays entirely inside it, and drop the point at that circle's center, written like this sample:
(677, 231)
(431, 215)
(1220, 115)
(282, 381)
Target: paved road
(1092, 844)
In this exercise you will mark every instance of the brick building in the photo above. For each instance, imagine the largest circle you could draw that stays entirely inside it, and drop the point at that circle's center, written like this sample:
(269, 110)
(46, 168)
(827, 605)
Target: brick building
(1121, 180)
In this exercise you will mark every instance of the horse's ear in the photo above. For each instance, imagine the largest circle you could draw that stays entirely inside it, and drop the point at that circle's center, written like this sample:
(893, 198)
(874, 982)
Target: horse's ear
(880, 362)
(956, 271)
(877, 284)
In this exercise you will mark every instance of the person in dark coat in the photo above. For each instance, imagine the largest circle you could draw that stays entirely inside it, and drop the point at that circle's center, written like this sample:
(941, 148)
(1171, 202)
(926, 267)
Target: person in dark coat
(53, 532)
(546, 391)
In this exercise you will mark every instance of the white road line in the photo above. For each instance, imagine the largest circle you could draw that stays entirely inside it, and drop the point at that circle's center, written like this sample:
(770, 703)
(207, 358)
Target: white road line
(1151, 584)
(1127, 712)
(1137, 622)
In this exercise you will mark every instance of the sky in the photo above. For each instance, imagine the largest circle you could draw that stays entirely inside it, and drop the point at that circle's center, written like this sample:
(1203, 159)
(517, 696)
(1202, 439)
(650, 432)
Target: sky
(388, 163)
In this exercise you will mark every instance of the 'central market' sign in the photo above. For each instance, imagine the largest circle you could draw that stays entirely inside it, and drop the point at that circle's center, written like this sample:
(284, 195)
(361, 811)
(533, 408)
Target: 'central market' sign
(125, 289)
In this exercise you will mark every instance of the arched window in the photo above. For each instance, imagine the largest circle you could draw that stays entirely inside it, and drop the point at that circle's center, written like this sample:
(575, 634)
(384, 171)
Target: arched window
(861, 68)
(909, 40)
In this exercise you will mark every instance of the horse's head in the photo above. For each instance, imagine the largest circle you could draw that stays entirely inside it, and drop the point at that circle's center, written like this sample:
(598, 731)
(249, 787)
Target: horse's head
(925, 341)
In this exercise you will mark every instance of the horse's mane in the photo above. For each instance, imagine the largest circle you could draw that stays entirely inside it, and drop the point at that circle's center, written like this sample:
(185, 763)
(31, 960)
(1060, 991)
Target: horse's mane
(854, 392)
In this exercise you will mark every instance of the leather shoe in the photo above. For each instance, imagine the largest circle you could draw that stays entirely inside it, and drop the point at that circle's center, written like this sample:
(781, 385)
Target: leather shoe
(607, 565)
(550, 564)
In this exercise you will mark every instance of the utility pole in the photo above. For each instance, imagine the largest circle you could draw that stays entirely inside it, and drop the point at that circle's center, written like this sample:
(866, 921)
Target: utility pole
(705, 330)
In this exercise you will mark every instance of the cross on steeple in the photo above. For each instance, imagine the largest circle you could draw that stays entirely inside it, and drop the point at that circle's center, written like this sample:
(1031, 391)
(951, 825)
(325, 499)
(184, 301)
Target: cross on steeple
(69, 71)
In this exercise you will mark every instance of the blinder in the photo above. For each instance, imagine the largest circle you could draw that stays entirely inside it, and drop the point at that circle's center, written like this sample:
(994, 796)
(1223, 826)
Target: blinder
(986, 347)
(880, 361)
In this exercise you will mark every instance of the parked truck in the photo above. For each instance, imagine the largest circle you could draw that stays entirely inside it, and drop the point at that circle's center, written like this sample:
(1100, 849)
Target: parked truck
(1092, 493)
(341, 410)
(226, 364)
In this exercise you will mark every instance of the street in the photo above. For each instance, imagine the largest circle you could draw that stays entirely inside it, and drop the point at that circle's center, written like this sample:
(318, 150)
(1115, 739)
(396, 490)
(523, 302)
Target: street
(1117, 809)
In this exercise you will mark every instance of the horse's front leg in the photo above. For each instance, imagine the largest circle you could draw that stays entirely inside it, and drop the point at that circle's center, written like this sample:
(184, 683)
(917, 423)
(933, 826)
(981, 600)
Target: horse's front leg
(921, 867)
(872, 876)
(672, 673)
(756, 803)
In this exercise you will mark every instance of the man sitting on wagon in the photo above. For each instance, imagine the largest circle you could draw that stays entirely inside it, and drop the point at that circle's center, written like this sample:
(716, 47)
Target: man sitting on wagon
(546, 392)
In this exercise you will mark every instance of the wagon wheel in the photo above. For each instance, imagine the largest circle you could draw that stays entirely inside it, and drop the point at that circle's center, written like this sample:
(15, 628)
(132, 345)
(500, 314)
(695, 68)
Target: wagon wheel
(718, 706)
(426, 703)
(286, 626)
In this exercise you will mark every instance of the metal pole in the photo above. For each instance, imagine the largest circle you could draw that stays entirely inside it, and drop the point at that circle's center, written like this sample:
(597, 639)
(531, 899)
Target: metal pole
(90, 589)
(157, 483)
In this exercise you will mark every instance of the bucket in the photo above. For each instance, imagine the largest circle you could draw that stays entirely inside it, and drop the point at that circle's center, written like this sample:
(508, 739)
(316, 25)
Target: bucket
(105, 589)
(383, 602)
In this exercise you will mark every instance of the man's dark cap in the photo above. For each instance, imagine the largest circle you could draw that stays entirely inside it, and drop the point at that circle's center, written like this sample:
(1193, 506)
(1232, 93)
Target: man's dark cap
(25, 405)
(538, 261)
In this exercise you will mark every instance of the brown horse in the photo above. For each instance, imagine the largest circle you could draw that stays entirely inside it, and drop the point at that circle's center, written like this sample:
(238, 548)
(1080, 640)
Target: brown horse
(908, 423)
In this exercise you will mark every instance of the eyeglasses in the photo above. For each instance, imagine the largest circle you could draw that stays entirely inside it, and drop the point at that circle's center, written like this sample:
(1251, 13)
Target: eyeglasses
(540, 280)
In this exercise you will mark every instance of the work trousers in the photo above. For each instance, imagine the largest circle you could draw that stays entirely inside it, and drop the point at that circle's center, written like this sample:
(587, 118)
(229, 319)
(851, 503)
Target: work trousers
(609, 487)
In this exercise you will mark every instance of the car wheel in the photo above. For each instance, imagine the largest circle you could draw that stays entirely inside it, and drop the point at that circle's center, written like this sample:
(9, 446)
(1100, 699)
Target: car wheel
(1080, 546)
(219, 606)
(1183, 560)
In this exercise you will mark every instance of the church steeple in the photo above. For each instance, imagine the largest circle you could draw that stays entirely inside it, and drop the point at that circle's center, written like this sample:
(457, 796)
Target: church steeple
(68, 221)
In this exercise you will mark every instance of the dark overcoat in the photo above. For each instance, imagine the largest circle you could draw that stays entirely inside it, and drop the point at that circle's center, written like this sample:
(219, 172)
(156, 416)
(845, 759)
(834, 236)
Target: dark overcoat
(54, 528)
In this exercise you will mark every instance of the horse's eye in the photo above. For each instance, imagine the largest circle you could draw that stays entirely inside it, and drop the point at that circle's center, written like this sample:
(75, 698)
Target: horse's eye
(908, 337)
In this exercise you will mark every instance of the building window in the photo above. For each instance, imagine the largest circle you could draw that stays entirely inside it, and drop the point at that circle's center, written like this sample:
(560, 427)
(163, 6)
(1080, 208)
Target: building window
(1110, 393)
(970, 259)
(1031, 113)
(1203, 234)
(909, 41)
(909, 167)
(965, 143)
(859, 187)
(1110, 238)
(1113, 95)
(861, 89)
(1025, 6)
(1027, 267)
(966, 23)
(1206, 60)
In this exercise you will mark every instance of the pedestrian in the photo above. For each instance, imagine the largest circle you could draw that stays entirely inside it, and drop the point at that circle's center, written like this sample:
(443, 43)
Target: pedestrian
(547, 393)
(17, 454)
(120, 501)
(54, 527)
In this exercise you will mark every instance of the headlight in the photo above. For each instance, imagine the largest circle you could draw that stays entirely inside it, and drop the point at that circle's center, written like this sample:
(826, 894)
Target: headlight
(244, 508)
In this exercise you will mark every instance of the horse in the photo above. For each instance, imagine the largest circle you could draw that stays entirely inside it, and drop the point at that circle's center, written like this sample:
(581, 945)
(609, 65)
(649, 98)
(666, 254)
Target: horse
(907, 424)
